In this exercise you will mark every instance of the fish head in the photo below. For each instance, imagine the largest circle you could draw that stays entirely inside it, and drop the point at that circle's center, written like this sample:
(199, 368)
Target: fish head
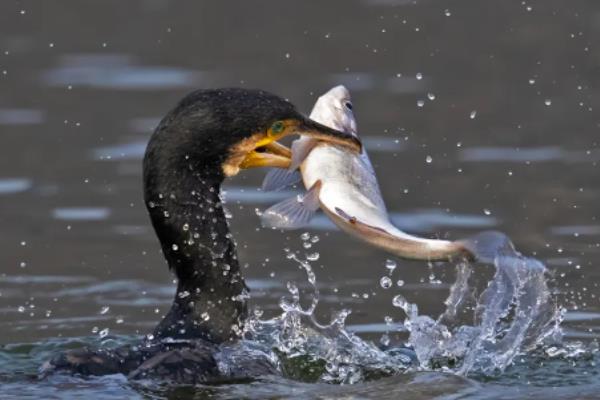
(334, 109)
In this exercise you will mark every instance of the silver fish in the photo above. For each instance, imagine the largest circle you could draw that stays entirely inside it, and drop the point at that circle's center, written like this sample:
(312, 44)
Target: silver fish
(344, 186)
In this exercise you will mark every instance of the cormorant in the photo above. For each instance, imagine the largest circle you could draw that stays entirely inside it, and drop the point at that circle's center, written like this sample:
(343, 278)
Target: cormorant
(208, 136)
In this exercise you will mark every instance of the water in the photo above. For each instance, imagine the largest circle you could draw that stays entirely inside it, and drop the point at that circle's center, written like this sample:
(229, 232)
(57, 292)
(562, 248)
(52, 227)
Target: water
(313, 358)
(535, 167)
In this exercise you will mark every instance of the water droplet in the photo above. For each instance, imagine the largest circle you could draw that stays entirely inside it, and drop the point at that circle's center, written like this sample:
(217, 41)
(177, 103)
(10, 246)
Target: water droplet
(313, 257)
(23, 243)
(186, 227)
(119, 320)
(400, 301)
(104, 310)
(385, 282)
(431, 96)
(548, 102)
(104, 332)
(532, 81)
(428, 159)
(314, 239)
(23, 264)
(420, 103)
(21, 309)
(390, 265)
(419, 76)
(175, 247)
(473, 114)
(205, 316)
(400, 283)
(487, 211)
(305, 236)
(385, 340)
(307, 245)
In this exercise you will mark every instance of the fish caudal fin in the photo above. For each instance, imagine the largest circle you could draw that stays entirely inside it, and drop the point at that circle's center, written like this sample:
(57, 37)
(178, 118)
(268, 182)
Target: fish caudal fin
(293, 213)
(279, 179)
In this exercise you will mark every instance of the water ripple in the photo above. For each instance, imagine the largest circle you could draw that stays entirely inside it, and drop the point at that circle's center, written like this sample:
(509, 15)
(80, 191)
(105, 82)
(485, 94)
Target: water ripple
(126, 151)
(115, 72)
(421, 221)
(81, 213)
(21, 116)
(135, 150)
(532, 154)
(14, 185)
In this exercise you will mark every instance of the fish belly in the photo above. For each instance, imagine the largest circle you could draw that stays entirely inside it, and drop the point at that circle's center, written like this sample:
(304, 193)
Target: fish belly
(348, 183)
(351, 198)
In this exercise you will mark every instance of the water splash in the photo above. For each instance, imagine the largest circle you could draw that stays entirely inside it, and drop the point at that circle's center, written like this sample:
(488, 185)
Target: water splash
(310, 350)
(515, 314)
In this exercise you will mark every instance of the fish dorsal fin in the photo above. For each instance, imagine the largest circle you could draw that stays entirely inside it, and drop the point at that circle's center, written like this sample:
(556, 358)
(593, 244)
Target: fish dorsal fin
(295, 212)
(279, 179)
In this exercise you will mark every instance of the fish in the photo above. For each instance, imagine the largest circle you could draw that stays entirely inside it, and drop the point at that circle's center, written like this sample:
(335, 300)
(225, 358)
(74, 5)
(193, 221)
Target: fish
(344, 186)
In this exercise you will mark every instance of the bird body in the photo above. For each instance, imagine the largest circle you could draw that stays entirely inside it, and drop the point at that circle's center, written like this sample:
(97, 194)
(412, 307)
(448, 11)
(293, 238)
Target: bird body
(209, 136)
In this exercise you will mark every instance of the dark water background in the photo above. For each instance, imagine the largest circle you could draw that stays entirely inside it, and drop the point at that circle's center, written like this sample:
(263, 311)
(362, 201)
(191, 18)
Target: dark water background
(512, 132)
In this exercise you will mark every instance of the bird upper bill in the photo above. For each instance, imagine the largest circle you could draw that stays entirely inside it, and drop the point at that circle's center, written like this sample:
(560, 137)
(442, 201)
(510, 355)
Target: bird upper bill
(267, 152)
(323, 133)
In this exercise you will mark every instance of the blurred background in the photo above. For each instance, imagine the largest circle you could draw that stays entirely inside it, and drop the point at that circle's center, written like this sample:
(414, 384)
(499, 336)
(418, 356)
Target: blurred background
(476, 114)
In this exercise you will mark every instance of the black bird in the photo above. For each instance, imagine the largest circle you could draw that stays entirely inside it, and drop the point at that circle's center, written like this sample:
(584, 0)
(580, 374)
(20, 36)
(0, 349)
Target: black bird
(208, 136)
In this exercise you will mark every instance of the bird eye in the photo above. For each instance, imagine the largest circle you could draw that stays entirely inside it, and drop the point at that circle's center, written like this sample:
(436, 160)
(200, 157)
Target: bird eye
(277, 128)
(348, 105)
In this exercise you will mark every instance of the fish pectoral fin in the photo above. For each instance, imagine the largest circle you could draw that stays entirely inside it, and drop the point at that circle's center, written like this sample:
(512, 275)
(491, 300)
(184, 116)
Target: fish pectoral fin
(279, 179)
(300, 150)
(295, 212)
(354, 221)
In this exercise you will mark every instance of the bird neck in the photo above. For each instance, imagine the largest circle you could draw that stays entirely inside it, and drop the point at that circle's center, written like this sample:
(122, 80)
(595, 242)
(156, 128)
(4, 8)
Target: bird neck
(189, 220)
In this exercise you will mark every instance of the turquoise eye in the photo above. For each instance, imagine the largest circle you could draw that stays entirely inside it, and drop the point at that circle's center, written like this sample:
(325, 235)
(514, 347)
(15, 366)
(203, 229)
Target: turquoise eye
(277, 127)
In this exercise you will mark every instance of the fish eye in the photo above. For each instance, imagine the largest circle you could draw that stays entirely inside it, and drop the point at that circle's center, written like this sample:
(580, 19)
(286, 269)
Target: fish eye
(348, 105)
(277, 128)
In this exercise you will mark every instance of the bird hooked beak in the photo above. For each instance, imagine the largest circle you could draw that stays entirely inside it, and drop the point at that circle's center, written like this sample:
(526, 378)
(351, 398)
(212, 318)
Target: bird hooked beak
(263, 150)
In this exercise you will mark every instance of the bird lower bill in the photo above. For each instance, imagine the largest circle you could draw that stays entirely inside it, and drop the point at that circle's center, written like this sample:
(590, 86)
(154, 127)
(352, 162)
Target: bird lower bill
(264, 150)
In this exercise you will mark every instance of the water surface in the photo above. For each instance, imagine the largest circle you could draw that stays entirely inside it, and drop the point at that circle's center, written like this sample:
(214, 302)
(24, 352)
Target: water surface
(502, 97)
